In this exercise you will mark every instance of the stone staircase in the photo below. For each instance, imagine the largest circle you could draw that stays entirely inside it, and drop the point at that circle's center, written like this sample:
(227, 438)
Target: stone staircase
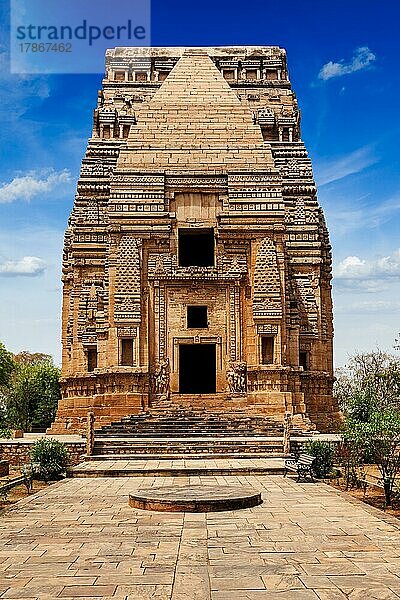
(173, 431)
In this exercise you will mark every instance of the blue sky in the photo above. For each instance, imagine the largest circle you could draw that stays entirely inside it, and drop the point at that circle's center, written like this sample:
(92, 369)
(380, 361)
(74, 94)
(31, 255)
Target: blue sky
(343, 61)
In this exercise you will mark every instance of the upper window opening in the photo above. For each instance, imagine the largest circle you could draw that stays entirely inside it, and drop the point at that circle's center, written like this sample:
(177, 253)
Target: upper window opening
(197, 317)
(140, 76)
(304, 360)
(251, 73)
(127, 352)
(91, 359)
(267, 349)
(228, 73)
(196, 247)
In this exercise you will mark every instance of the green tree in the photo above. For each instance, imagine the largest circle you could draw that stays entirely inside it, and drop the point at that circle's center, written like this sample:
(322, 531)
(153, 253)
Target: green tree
(368, 383)
(379, 440)
(33, 393)
(7, 365)
(28, 358)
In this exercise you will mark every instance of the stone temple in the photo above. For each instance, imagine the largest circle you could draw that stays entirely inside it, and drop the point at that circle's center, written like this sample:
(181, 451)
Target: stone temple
(197, 263)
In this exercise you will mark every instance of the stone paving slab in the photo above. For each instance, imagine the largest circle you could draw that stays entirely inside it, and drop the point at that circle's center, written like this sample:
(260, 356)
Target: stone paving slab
(80, 539)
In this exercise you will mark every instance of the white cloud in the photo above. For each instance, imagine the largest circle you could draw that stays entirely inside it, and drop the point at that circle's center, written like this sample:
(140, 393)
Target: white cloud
(27, 186)
(356, 274)
(28, 266)
(362, 58)
(336, 169)
(353, 267)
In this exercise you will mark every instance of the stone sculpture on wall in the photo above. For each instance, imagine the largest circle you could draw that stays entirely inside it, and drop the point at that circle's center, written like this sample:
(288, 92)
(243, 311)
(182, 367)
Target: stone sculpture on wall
(160, 379)
(237, 377)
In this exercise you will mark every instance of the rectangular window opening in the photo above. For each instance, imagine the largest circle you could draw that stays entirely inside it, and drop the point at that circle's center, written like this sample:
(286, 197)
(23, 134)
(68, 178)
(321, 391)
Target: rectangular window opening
(127, 352)
(271, 75)
(304, 360)
(269, 132)
(197, 317)
(91, 359)
(140, 76)
(196, 247)
(251, 74)
(267, 349)
(228, 74)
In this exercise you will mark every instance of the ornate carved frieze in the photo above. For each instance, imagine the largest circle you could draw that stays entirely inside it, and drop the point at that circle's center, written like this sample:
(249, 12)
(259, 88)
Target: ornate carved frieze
(126, 331)
(201, 182)
(96, 169)
(229, 266)
(308, 307)
(128, 280)
(267, 298)
(267, 328)
(90, 309)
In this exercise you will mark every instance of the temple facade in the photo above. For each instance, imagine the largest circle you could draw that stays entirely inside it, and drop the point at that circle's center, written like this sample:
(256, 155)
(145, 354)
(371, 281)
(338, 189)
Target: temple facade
(197, 263)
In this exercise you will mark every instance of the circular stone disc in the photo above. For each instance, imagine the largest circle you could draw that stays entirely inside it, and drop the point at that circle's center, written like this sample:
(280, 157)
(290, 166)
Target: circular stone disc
(195, 498)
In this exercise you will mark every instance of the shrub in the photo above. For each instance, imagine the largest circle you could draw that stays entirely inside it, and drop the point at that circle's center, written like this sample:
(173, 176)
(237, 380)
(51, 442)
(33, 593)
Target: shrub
(49, 458)
(379, 441)
(350, 457)
(323, 452)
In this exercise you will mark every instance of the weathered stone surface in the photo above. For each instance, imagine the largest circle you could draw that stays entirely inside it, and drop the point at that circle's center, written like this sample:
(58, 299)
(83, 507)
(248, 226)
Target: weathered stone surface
(195, 498)
(196, 191)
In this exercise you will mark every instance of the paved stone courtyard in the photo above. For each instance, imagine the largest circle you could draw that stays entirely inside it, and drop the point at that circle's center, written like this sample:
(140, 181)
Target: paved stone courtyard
(80, 539)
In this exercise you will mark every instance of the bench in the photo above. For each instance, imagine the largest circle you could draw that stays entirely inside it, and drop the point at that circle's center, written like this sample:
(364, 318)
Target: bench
(301, 465)
(21, 480)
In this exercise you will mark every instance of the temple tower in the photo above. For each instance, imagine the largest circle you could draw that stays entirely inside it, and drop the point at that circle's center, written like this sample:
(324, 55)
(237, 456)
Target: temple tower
(197, 263)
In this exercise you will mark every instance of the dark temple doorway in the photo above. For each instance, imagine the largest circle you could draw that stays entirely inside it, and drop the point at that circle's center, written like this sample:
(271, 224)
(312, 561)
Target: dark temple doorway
(197, 368)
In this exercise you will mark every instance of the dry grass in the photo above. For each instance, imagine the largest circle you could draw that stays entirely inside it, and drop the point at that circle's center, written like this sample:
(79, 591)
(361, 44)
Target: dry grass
(373, 496)
(19, 492)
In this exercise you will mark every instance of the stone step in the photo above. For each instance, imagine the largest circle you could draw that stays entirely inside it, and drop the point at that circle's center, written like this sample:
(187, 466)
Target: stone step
(175, 423)
(188, 414)
(154, 424)
(183, 449)
(117, 466)
(176, 431)
(207, 439)
(174, 434)
(150, 449)
(183, 456)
